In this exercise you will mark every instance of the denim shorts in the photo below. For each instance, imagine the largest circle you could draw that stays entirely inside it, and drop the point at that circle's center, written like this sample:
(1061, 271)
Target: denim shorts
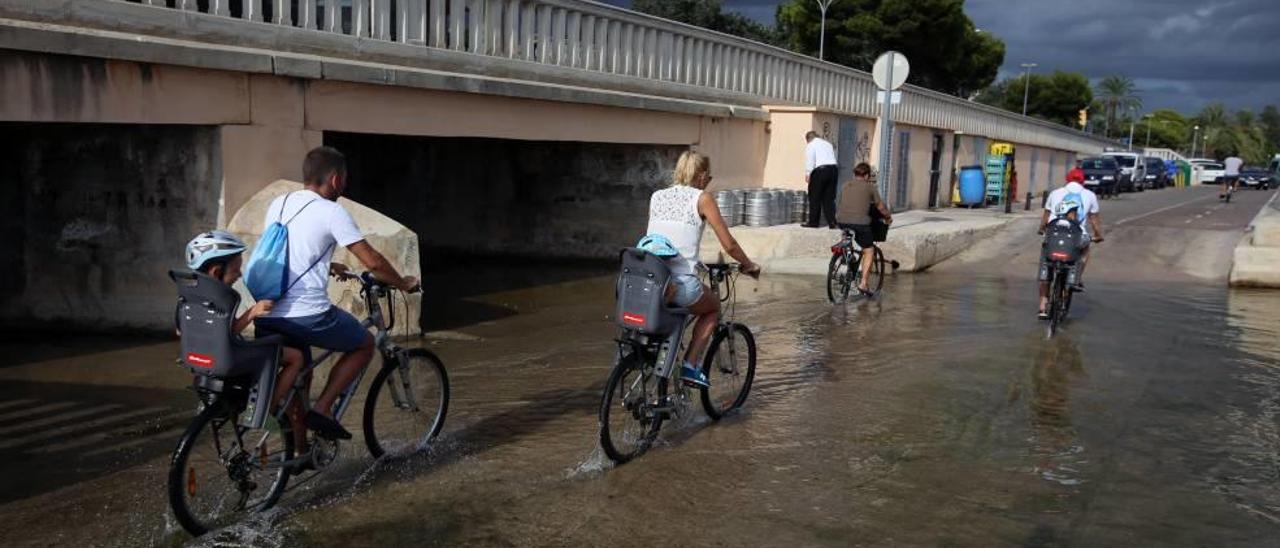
(688, 289)
(334, 329)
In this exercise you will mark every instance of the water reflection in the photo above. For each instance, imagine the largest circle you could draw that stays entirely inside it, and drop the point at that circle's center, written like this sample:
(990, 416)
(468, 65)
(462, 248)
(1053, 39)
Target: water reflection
(1056, 448)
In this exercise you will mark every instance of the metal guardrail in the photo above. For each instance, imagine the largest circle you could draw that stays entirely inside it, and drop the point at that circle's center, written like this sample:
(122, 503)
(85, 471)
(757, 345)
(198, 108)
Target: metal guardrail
(598, 37)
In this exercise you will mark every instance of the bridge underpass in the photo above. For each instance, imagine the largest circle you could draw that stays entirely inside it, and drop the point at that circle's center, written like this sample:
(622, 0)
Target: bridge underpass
(610, 102)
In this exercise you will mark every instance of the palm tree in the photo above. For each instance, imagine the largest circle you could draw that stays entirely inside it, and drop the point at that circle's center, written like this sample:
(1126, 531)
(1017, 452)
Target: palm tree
(1117, 93)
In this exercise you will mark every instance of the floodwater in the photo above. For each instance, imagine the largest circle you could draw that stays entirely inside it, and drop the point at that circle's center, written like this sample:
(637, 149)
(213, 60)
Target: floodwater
(937, 413)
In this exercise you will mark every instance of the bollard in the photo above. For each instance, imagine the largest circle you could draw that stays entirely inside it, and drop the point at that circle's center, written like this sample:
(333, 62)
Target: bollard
(1028, 206)
(1044, 199)
(1008, 204)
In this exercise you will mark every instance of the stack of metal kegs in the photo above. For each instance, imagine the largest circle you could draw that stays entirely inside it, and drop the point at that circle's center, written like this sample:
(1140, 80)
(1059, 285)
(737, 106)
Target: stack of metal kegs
(761, 206)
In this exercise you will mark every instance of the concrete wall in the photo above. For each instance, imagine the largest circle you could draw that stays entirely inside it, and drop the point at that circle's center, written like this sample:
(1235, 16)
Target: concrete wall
(95, 215)
(739, 150)
(497, 196)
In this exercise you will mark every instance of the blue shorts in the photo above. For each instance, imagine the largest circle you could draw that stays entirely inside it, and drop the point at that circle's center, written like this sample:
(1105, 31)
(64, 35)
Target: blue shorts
(334, 329)
(688, 289)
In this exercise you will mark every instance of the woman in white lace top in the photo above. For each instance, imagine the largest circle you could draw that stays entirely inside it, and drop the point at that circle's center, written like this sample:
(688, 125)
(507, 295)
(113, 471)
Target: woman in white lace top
(679, 213)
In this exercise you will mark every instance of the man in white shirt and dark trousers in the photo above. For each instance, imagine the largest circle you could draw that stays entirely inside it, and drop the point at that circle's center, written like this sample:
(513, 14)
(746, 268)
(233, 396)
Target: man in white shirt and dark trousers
(820, 172)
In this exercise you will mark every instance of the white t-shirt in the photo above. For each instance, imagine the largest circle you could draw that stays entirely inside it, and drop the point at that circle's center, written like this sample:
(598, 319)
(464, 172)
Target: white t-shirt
(1232, 166)
(818, 153)
(1087, 208)
(314, 233)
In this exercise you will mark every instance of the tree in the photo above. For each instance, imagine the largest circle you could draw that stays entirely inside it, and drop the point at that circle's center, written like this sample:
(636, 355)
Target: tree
(947, 53)
(708, 14)
(1270, 121)
(1056, 97)
(1117, 94)
(1168, 129)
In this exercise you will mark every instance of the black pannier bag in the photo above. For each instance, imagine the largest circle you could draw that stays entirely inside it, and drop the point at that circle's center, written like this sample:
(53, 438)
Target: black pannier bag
(641, 293)
(1062, 241)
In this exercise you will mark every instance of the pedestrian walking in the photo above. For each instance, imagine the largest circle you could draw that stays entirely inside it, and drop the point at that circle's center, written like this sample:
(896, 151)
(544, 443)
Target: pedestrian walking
(821, 173)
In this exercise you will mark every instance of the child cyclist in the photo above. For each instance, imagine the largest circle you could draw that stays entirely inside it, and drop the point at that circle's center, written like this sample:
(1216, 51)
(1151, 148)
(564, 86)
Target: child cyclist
(219, 255)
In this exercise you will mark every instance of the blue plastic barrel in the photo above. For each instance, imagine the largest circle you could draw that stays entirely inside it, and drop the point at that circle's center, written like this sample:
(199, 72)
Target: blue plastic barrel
(973, 185)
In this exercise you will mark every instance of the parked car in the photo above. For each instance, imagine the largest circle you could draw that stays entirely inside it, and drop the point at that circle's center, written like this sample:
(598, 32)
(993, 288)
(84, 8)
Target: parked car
(1157, 176)
(1211, 172)
(1101, 175)
(1133, 171)
(1256, 178)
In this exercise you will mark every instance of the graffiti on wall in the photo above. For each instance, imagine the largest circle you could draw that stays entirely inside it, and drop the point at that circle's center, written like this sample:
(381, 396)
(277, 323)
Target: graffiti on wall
(862, 150)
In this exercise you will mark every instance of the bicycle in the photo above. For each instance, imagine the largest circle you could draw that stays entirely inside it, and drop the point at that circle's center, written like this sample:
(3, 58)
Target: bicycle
(636, 399)
(235, 458)
(1062, 256)
(845, 272)
(1060, 293)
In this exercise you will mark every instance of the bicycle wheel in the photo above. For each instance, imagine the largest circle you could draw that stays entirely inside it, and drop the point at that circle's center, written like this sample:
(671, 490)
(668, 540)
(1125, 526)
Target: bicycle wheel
(1056, 312)
(407, 403)
(629, 418)
(730, 366)
(222, 472)
(877, 271)
(839, 278)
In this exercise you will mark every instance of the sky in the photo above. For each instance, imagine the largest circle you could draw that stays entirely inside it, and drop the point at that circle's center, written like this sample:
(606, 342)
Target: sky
(1182, 54)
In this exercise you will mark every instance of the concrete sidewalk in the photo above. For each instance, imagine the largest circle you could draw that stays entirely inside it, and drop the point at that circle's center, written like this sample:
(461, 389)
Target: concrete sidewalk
(1256, 262)
(917, 240)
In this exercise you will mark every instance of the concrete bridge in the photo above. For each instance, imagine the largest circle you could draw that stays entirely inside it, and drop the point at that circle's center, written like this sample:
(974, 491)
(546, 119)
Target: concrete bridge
(487, 126)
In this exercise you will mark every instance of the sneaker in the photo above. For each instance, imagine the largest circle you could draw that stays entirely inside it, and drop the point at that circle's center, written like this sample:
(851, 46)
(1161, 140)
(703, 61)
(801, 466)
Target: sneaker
(1042, 315)
(326, 427)
(1078, 288)
(693, 377)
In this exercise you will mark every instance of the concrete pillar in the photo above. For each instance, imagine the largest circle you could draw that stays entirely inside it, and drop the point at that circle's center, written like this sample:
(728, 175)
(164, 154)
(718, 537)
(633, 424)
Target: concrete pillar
(271, 147)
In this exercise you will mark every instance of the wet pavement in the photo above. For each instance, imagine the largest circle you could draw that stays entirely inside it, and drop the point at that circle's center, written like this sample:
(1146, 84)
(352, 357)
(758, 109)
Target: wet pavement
(935, 414)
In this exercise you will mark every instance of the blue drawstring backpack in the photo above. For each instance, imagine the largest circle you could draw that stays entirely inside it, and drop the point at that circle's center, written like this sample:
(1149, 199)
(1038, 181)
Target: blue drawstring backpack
(267, 274)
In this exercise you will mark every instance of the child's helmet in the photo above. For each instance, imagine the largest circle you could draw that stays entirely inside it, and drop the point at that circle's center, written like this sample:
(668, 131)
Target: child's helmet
(211, 245)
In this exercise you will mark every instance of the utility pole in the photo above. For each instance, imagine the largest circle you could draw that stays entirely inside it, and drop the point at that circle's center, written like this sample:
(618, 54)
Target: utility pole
(1195, 136)
(1132, 123)
(1026, 84)
(822, 32)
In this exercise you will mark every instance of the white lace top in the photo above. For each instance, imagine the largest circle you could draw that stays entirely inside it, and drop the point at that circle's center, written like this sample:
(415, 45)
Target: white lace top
(673, 212)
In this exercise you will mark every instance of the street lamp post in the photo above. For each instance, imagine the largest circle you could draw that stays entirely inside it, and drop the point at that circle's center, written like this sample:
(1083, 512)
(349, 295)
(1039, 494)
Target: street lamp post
(822, 32)
(1132, 123)
(1195, 136)
(1026, 87)
(1147, 118)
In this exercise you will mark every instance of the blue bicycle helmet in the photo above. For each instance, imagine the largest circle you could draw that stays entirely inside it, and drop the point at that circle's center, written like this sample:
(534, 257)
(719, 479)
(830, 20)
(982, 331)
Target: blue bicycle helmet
(658, 245)
(1069, 203)
(211, 245)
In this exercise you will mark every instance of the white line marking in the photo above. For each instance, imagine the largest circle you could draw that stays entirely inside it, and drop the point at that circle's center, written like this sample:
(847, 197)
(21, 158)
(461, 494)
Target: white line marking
(88, 433)
(6, 433)
(12, 403)
(1161, 210)
(38, 410)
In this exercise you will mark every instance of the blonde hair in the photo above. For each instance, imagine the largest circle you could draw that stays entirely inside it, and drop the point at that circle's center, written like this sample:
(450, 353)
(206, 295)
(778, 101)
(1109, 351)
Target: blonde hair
(689, 166)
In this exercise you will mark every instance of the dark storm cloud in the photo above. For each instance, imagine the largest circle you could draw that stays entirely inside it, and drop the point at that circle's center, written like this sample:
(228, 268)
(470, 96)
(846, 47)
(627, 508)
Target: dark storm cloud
(1182, 54)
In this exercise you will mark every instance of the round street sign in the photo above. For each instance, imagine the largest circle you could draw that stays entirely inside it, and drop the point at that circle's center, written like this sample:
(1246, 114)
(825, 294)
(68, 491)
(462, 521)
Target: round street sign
(880, 71)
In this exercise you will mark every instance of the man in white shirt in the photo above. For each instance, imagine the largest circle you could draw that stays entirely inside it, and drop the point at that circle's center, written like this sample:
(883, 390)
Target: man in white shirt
(1231, 175)
(304, 315)
(821, 173)
(1085, 204)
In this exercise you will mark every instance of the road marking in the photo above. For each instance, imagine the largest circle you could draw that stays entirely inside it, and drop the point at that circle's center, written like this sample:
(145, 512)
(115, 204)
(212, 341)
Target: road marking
(37, 410)
(13, 403)
(88, 433)
(7, 433)
(1161, 210)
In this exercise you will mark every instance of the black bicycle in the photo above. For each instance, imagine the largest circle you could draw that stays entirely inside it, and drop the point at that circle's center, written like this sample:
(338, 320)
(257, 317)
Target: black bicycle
(638, 396)
(1060, 293)
(234, 460)
(844, 273)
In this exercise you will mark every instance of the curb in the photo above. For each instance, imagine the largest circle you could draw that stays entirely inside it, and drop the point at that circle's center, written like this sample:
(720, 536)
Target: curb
(1256, 266)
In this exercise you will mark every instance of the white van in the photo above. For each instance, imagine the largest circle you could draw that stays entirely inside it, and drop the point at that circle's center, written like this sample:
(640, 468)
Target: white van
(1133, 171)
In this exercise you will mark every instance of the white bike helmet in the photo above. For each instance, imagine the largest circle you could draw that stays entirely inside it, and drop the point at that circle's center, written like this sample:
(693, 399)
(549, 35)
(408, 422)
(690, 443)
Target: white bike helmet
(211, 245)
